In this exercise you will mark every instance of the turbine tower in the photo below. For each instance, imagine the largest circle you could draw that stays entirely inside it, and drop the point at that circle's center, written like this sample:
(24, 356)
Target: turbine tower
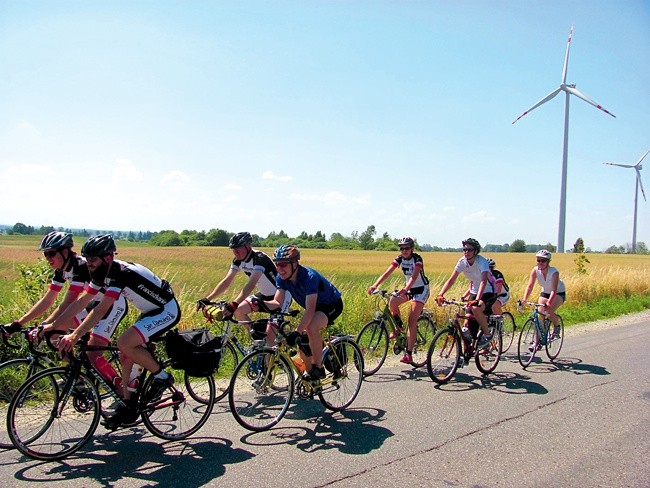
(568, 90)
(637, 167)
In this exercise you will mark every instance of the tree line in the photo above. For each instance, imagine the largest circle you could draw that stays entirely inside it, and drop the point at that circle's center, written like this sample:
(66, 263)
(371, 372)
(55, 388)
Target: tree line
(365, 240)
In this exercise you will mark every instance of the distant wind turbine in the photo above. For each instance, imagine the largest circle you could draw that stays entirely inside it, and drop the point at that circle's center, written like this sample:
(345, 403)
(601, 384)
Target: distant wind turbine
(568, 90)
(637, 167)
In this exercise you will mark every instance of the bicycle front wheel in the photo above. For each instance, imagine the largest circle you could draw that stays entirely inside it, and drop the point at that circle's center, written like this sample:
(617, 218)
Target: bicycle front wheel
(177, 414)
(528, 343)
(260, 402)
(508, 331)
(443, 355)
(51, 417)
(13, 374)
(373, 344)
(555, 340)
(221, 377)
(488, 357)
(339, 389)
(426, 329)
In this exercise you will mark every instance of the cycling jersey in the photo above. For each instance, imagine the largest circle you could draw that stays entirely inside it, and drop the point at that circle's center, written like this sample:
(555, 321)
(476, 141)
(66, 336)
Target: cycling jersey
(152, 296)
(309, 282)
(258, 261)
(408, 265)
(504, 296)
(76, 274)
(547, 283)
(474, 272)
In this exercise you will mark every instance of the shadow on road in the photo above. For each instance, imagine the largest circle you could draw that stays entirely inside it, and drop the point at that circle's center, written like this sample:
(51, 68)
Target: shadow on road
(121, 457)
(576, 366)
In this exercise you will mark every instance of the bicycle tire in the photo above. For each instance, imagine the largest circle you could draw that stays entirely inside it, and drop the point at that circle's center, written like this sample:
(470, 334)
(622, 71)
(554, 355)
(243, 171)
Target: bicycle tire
(487, 358)
(443, 355)
(426, 330)
(554, 344)
(260, 403)
(528, 343)
(373, 344)
(177, 414)
(339, 393)
(508, 331)
(13, 374)
(34, 428)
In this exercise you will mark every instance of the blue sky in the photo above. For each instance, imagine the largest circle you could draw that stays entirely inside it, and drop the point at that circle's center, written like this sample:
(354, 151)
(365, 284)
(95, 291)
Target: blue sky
(324, 115)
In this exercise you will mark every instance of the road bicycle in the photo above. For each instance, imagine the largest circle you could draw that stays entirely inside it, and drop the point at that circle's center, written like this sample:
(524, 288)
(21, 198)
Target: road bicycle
(373, 338)
(450, 349)
(265, 381)
(536, 333)
(56, 411)
(14, 372)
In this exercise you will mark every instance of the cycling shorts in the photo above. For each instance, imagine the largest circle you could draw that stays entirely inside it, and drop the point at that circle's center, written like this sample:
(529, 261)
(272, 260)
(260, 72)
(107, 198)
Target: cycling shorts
(420, 294)
(105, 328)
(331, 310)
(152, 325)
(562, 295)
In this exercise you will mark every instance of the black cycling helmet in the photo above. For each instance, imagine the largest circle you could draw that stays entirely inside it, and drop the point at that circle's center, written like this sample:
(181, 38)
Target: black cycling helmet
(286, 253)
(98, 246)
(406, 241)
(56, 240)
(240, 239)
(491, 262)
(470, 241)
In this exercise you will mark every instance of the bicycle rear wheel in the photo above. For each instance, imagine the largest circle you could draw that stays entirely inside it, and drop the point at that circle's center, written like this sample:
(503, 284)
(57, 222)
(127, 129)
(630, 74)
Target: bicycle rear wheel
(508, 331)
(555, 340)
(373, 344)
(259, 403)
(340, 388)
(13, 374)
(443, 355)
(488, 357)
(528, 343)
(177, 414)
(51, 417)
(426, 329)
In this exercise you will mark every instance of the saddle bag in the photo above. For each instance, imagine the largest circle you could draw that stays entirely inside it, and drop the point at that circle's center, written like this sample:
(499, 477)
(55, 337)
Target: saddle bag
(195, 351)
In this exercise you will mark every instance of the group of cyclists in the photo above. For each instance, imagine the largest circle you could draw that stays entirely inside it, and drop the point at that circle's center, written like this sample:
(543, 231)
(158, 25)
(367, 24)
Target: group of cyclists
(101, 286)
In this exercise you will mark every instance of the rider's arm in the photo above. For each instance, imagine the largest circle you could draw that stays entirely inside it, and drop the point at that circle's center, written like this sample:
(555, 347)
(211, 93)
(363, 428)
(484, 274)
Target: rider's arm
(67, 317)
(381, 279)
(555, 280)
(482, 285)
(69, 298)
(223, 285)
(308, 314)
(409, 284)
(531, 283)
(68, 341)
(40, 307)
(449, 283)
(277, 301)
(250, 285)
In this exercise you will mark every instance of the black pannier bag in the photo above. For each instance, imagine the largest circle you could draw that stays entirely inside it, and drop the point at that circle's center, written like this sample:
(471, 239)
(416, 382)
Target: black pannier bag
(196, 351)
(330, 362)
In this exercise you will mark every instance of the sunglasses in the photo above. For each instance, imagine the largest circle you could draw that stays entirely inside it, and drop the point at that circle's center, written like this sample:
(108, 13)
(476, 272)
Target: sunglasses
(468, 249)
(50, 254)
(282, 264)
(405, 248)
(542, 260)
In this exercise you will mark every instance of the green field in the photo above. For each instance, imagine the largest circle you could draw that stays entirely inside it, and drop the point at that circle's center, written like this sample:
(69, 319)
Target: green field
(615, 283)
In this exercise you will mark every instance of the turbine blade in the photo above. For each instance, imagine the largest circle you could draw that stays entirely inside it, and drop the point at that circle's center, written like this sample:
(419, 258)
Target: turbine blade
(638, 163)
(621, 165)
(638, 178)
(566, 56)
(541, 102)
(584, 97)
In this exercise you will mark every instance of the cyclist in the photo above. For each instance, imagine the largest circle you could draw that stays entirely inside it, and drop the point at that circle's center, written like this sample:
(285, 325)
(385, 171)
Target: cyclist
(261, 273)
(153, 297)
(320, 299)
(71, 268)
(501, 288)
(416, 289)
(482, 296)
(553, 293)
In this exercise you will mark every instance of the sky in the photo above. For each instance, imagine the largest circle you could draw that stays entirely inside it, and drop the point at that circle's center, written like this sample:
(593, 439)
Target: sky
(325, 115)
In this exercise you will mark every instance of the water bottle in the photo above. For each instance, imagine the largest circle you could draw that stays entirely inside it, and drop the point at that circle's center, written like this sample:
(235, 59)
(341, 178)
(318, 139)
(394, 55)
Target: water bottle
(134, 379)
(467, 334)
(106, 370)
(544, 332)
(300, 364)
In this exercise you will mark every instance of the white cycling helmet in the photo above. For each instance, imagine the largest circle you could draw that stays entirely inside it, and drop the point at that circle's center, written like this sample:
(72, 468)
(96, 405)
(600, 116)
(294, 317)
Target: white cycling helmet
(544, 254)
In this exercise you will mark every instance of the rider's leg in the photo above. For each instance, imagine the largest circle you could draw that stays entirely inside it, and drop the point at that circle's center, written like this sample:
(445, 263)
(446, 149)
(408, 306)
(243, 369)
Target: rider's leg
(416, 310)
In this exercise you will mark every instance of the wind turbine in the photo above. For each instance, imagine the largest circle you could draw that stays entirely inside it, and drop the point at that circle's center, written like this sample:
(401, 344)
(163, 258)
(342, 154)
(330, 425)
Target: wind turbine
(637, 167)
(568, 90)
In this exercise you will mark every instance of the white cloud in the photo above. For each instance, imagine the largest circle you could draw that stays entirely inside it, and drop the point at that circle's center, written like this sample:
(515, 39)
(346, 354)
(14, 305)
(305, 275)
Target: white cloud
(269, 175)
(481, 216)
(126, 170)
(175, 180)
(331, 197)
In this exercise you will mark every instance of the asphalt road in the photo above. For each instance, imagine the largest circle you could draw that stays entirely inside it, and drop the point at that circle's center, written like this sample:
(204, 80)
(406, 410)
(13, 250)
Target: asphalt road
(583, 421)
